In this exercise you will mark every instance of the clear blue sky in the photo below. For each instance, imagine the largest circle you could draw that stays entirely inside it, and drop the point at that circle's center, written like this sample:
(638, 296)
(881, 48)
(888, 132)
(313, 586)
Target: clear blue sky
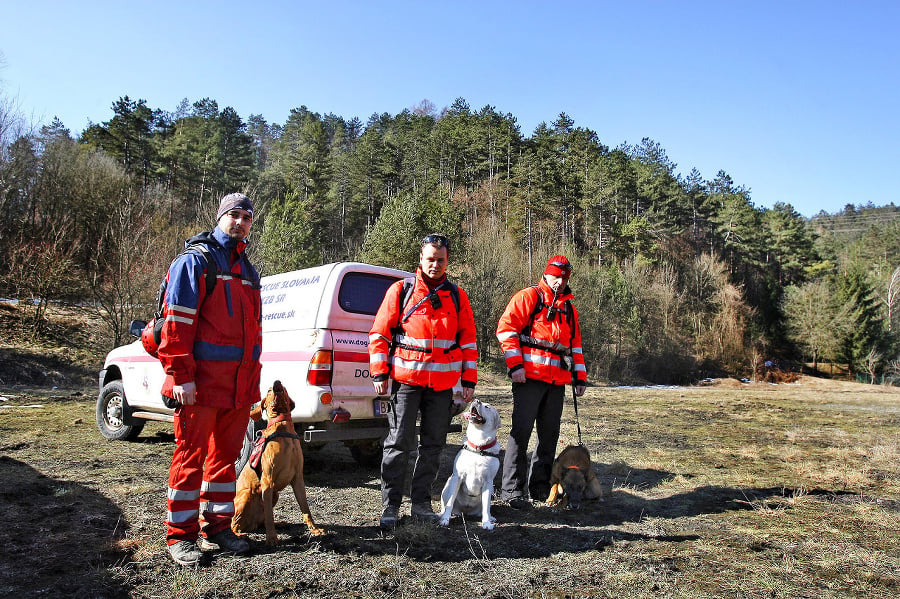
(797, 101)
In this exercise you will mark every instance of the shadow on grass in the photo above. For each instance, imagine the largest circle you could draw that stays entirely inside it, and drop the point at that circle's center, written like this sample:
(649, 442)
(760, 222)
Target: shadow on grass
(58, 538)
(542, 532)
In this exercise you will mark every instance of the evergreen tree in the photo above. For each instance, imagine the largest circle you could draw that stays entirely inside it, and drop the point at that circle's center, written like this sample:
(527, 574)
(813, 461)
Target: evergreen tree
(866, 333)
(127, 137)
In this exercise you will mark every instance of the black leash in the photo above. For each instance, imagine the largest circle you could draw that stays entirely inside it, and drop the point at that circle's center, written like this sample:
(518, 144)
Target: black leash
(575, 402)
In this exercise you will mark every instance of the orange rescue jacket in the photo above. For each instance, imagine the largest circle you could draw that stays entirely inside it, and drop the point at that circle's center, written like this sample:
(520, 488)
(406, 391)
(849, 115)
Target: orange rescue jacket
(433, 347)
(544, 349)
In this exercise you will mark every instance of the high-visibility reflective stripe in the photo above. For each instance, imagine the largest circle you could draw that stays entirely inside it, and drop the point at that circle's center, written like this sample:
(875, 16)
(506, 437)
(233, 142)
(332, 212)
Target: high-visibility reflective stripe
(218, 507)
(414, 342)
(377, 358)
(179, 495)
(507, 335)
(427, 366)
(173, 318)
(182, 516)
(577, 350)
(545, 360)
(217, 487)
(376, 336)
(185, 309)
(580, 368)
(470, 346)
(512, 353)
(469, 365)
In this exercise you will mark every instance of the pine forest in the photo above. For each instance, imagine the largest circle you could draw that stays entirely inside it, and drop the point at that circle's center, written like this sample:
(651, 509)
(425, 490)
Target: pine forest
(677, 277)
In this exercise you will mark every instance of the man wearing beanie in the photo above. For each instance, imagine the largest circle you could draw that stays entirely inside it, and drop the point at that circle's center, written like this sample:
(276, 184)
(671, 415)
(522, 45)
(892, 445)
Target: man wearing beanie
(541, 341)
(209, 348)
(423, 338)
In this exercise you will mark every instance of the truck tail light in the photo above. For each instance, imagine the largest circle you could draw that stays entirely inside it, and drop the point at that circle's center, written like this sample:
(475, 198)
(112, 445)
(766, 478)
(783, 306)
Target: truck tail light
(319, 373)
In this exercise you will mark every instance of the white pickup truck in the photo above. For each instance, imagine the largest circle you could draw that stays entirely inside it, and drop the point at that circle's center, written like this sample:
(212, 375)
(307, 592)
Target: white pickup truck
(315, 328)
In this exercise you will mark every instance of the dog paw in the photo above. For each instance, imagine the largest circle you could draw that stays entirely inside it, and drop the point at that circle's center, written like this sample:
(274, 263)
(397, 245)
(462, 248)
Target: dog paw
(489, 525)
(445, 522)
(272, 541)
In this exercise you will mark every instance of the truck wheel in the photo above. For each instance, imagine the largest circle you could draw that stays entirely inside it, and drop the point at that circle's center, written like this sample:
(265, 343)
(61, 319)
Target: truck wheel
(253, 426)
(112, 408)
(367, 453)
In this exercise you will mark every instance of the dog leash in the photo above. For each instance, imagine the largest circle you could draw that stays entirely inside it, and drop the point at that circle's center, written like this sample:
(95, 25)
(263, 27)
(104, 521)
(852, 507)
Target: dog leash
(575, 403)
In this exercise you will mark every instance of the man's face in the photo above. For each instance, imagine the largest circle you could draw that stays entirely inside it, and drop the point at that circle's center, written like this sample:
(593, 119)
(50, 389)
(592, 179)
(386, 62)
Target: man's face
(557, 284)
(433, 261)
(236, 223)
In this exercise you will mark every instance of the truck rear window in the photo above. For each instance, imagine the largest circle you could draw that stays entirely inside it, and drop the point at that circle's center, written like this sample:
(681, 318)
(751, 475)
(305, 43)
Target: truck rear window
(362, 292)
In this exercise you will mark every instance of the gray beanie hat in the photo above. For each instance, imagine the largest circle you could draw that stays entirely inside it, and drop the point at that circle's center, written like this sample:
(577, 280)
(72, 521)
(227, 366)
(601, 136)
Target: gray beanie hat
(232, 201)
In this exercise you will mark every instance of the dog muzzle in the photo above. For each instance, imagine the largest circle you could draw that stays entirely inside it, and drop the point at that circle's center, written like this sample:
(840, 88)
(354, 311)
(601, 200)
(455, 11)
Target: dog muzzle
(472, 415)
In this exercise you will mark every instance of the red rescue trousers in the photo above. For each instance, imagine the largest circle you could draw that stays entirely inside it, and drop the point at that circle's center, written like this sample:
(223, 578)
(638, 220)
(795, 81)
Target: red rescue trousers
(207, 443)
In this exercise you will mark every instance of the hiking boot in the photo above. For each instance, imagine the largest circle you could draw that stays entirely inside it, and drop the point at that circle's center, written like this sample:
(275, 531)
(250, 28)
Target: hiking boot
(225, 540)
(389, 517)
(422, 512)
(185, 553)
(518, 503)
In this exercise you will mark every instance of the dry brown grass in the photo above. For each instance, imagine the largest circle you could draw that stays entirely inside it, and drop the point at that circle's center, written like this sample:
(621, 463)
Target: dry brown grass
(726, 490)
(761, 490)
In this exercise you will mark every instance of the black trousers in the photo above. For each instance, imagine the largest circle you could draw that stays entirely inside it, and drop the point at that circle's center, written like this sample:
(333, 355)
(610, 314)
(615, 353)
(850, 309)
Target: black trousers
(535, 404)
(408, 402)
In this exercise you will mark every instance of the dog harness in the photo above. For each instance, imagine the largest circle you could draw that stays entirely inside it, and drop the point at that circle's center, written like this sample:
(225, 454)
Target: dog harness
(479, 449)
(259, 447)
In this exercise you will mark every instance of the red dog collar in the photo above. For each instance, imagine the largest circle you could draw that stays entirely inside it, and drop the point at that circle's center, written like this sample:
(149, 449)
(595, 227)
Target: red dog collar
(479, 448)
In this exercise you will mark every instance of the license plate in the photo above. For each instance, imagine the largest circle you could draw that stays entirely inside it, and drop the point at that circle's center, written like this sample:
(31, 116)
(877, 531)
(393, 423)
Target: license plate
(382, 407)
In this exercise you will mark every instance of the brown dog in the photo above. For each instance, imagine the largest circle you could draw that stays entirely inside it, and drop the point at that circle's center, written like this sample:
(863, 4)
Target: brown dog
(572, 478)
(280, 465)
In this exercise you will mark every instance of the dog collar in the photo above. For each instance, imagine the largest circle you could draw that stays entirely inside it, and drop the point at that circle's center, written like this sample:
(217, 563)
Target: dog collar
(479, 448)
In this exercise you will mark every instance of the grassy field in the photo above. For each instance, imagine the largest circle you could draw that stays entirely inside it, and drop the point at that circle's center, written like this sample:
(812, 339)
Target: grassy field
(724, 490)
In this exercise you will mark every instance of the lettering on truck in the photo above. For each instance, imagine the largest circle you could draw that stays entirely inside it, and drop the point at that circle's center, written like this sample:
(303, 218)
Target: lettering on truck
(354, 357)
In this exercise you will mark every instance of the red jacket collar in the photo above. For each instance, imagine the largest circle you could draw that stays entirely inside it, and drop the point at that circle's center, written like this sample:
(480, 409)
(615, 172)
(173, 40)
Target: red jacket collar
(548, 293)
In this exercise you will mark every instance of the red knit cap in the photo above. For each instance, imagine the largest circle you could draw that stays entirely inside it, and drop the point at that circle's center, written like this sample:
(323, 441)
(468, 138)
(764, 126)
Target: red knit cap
(558, 266)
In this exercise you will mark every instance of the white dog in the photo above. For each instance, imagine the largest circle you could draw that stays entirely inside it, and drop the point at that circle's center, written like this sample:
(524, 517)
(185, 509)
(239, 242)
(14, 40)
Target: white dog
(469, 489)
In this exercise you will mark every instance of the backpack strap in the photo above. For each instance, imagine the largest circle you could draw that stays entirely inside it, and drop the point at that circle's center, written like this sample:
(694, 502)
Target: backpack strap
(198, 244)
(406, 294)
(540, 305)
(404, 299)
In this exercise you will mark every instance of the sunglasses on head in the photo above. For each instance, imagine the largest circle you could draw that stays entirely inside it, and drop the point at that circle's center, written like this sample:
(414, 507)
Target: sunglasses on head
(562, 266)
(437, 240)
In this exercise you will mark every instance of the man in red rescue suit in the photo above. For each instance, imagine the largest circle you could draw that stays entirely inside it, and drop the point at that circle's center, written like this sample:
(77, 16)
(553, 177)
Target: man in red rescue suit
(210, 348)
(425, 346)
(541, 342)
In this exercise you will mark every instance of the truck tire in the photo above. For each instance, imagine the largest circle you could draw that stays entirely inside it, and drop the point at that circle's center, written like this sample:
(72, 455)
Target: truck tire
(112, 414)
(253, 427)
(368, 453)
